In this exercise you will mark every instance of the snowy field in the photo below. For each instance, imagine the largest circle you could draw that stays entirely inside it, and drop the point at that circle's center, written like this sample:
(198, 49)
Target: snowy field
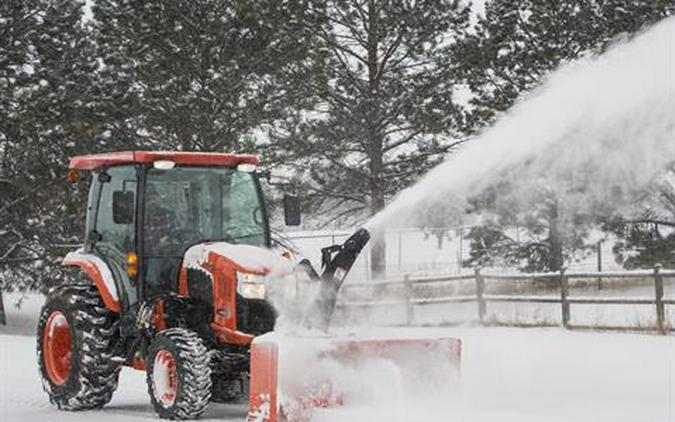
(508, 374)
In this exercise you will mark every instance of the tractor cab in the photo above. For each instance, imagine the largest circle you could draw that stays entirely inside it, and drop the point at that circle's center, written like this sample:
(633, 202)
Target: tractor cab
(146, 209)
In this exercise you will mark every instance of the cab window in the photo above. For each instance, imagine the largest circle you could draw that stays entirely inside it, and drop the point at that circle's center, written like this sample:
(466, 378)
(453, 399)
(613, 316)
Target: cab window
(116, 233)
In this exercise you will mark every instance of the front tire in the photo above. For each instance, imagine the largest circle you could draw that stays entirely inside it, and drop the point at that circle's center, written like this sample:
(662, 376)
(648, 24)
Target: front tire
(75, 338)
(178, 374)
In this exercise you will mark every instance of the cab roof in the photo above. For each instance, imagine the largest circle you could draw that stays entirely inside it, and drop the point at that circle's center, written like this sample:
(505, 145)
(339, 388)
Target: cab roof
(215, 159)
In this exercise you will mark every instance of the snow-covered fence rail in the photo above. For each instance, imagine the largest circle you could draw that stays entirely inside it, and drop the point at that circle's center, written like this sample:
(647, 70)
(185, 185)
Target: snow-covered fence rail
(415, 293)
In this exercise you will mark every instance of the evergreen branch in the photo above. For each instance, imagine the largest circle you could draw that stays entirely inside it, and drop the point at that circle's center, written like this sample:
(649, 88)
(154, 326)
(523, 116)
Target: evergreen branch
(650, 221)
(342, 214)
(402, 141)
(388, 54)
(328, 194)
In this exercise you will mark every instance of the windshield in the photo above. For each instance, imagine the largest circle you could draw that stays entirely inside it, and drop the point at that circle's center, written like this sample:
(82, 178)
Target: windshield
(188, 205)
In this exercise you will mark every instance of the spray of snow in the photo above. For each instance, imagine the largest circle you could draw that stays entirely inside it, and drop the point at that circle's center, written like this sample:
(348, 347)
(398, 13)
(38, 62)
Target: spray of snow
(595, 125)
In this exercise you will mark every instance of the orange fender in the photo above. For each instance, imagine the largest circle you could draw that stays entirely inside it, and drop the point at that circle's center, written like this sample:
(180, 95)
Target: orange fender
(98, 272)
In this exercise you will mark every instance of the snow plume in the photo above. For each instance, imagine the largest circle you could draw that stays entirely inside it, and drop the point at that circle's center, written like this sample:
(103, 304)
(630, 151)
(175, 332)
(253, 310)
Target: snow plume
(595, 131)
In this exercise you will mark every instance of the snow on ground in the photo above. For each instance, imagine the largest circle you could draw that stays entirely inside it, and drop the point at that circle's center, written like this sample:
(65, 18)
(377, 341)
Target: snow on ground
(507, 374)
(523, 375)
(22, 397)
(21, 394)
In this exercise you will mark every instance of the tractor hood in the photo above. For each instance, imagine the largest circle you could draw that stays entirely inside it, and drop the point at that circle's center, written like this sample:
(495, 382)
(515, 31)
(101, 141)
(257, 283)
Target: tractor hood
(246, 258)
(224, 263)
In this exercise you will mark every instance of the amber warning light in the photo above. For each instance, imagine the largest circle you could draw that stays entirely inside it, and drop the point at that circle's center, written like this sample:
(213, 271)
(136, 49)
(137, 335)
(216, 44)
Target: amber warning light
(73, 175)
(132, 264)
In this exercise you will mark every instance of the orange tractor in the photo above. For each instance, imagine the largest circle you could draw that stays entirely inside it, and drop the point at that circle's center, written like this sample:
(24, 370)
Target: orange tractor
(176, 280)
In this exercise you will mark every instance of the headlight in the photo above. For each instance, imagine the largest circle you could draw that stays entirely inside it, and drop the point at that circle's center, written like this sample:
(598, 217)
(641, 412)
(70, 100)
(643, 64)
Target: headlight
(251, 286)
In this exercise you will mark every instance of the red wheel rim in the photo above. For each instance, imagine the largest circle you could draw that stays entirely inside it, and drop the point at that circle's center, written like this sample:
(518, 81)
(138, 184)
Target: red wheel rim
(164, 380)
(57, 348)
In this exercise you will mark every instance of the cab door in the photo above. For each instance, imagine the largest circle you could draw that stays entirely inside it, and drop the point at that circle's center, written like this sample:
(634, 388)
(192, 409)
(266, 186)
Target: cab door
(111, 232)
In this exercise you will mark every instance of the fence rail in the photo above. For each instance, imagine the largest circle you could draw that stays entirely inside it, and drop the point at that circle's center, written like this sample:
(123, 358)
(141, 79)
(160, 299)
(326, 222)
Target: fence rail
(408, 296)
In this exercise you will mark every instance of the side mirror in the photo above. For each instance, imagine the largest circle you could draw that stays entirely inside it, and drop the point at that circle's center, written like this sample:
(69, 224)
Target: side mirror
(123, 207)
(291, 210)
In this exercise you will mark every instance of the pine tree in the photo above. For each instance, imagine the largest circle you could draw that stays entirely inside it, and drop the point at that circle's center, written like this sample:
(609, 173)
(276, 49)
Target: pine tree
(46, 67)
(198, 75)
(516, 44)
(386, 110)
(527, 227)
(645, 234)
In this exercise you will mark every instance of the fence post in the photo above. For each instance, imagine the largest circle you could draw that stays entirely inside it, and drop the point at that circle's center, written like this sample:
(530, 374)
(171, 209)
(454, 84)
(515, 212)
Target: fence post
(460, 256)
(599, 253)
(660, 310)
(3, 318)
(480, 293)
(400, 253)
(564, 294)
(409, 311)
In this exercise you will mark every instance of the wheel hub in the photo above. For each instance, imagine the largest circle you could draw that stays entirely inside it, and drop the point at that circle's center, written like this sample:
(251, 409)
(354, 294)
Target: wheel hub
(57, 348)
(164, 378)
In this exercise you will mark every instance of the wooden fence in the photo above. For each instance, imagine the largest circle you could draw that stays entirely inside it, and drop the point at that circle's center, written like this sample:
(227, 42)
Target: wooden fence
(405, 293)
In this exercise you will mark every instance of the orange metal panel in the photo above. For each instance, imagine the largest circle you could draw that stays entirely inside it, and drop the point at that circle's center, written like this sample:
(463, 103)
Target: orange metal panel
(94, 161)
(263, 389)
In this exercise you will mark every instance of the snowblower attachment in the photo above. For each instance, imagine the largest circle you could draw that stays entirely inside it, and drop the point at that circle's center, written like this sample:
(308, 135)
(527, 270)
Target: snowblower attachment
(295, 377)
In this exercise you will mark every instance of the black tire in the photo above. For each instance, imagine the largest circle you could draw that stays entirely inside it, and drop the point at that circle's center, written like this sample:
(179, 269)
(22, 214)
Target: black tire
(93, 375)
(192, 373)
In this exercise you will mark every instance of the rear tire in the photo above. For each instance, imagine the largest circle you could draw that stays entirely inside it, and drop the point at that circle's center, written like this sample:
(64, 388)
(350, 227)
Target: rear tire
(178, 374)
(75, 338)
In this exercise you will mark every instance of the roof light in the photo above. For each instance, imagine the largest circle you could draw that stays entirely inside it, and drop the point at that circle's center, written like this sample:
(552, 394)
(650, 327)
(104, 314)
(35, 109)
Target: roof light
(246, 167)
(163, 164)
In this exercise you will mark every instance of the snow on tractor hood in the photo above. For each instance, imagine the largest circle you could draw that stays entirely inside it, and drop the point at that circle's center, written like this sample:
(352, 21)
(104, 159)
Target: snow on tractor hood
(250, 258)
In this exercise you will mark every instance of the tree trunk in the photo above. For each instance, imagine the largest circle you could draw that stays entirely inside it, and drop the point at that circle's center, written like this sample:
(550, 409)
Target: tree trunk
(555, 239)
(378, 249)
(3, 318)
